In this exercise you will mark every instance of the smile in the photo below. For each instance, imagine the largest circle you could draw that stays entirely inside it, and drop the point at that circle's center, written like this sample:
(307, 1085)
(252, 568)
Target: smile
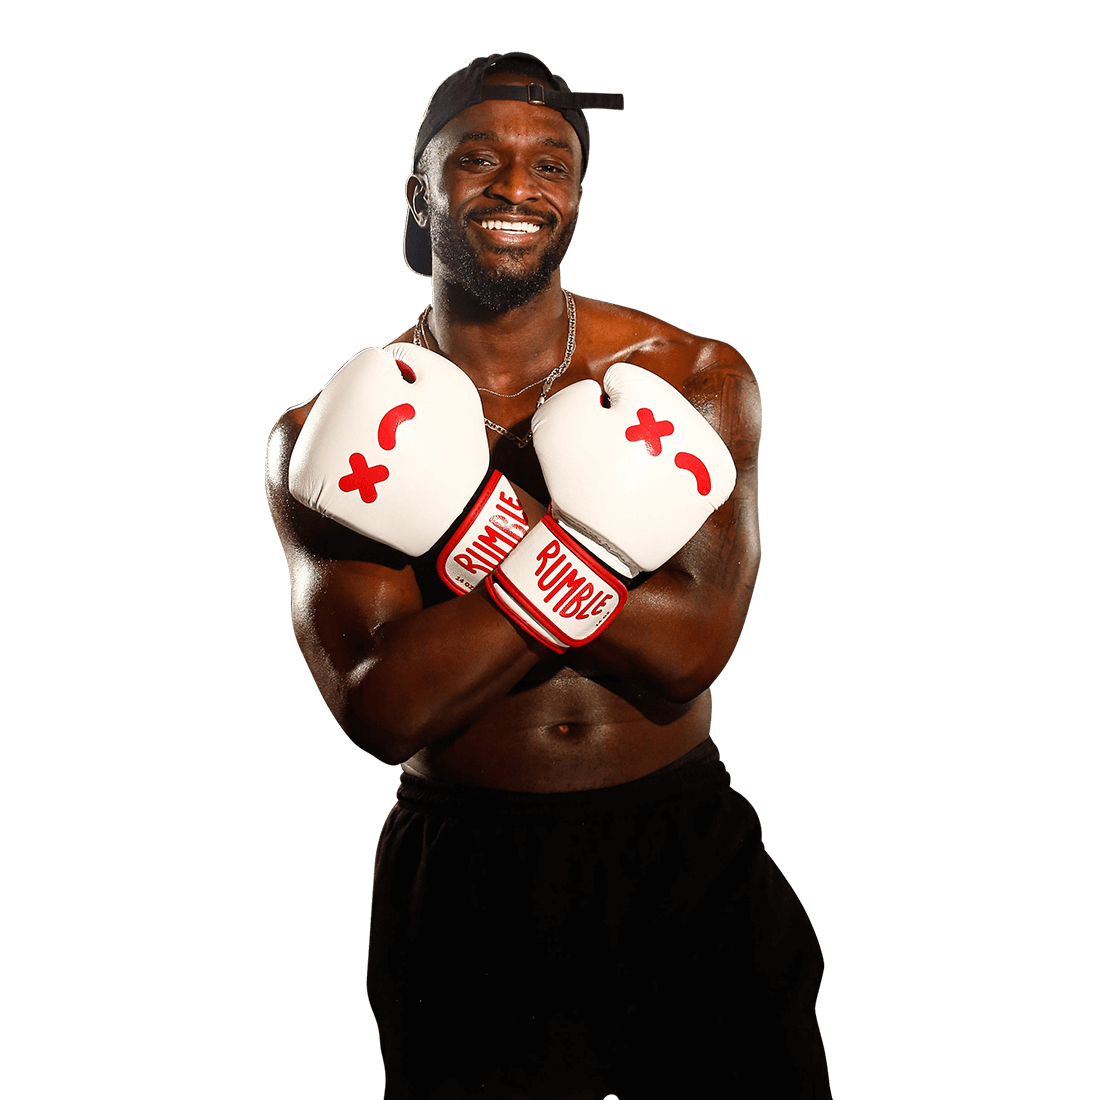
(510, 227)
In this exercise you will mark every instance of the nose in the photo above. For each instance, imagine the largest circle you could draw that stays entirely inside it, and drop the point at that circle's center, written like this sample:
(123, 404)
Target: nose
(514, 183)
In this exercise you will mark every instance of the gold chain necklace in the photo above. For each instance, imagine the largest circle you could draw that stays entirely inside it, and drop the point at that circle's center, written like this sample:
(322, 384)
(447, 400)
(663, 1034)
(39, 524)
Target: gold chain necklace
(420, 341)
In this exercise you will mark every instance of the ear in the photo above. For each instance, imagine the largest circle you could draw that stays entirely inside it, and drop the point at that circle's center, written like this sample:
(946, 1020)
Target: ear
(414, 196)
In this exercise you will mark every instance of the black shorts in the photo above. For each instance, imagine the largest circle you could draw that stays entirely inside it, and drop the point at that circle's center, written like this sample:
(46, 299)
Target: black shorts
(635, 940)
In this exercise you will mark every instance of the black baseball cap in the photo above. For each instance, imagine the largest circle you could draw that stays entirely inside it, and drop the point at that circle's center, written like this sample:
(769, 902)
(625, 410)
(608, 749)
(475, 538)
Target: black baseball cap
(467, 87)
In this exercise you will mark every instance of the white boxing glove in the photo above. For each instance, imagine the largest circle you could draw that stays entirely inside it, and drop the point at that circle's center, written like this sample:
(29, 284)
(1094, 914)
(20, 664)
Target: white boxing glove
(632, 476)
(394, 448)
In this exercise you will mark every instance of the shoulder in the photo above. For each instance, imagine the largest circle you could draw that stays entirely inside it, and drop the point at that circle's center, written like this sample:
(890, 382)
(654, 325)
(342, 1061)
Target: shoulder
(712, 374)
(285, 510)
(611, 333)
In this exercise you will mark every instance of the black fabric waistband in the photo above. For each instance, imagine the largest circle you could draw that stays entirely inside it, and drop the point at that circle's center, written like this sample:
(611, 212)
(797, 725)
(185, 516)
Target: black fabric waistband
(696, 771)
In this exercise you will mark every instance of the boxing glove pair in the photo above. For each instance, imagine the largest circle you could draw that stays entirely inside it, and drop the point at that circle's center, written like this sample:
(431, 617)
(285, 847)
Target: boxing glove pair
(390, 449)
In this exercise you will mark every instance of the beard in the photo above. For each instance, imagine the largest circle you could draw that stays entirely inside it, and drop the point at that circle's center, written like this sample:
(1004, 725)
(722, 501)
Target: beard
(499, 289)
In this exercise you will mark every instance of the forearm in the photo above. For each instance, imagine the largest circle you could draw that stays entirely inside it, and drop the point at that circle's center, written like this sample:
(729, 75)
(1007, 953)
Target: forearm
(680, 626)
(419, 678)
(674, 636)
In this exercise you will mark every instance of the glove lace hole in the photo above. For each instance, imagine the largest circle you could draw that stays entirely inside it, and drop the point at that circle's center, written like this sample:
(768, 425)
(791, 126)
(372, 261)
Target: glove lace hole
(406, 371)
(605, 401)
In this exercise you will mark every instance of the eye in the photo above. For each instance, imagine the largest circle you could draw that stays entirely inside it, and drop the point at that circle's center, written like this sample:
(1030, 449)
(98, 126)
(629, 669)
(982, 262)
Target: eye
(474, 160)
(551, 169)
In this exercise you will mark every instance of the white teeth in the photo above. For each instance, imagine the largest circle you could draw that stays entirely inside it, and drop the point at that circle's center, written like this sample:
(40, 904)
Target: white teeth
(511, 227)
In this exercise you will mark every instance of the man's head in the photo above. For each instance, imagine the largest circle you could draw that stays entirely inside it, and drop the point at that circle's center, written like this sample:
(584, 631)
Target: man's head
(496, 178)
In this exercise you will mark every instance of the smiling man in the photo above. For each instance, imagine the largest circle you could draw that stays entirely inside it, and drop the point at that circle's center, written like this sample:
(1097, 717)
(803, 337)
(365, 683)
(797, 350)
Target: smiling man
(510, 240)
(522, 541)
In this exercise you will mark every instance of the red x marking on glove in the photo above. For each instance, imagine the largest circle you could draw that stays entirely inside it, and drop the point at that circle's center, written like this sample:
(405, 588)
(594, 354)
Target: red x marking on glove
(650, 430)
(363, 477)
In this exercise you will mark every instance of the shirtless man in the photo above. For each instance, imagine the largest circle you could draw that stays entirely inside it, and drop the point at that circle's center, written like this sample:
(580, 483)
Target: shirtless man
(570, 901)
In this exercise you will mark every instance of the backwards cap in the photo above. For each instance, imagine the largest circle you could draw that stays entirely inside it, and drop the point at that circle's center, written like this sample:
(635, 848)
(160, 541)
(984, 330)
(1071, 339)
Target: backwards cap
(466, 88)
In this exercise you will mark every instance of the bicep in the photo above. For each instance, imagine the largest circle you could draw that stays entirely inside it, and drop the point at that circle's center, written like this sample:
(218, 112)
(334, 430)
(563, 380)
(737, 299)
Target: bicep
(716, 570)
(339, 608)
(724, 555)
(344, 587)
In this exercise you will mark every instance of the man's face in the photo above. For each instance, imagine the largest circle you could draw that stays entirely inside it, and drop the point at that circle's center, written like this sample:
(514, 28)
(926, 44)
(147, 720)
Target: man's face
(500, 189)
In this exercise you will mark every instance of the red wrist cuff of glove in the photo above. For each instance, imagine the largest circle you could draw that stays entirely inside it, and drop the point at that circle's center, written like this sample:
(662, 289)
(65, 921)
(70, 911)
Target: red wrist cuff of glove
(553, 588)
(494, 524)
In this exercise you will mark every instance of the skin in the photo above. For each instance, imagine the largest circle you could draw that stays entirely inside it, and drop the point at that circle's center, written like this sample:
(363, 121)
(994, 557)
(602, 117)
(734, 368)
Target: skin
(447, 685)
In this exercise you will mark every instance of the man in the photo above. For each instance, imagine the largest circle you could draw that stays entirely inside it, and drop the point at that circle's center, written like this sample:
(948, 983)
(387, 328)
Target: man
(570, 901)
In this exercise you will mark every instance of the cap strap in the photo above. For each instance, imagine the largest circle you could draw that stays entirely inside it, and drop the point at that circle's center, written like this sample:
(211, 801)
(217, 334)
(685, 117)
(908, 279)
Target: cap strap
(541, 96)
